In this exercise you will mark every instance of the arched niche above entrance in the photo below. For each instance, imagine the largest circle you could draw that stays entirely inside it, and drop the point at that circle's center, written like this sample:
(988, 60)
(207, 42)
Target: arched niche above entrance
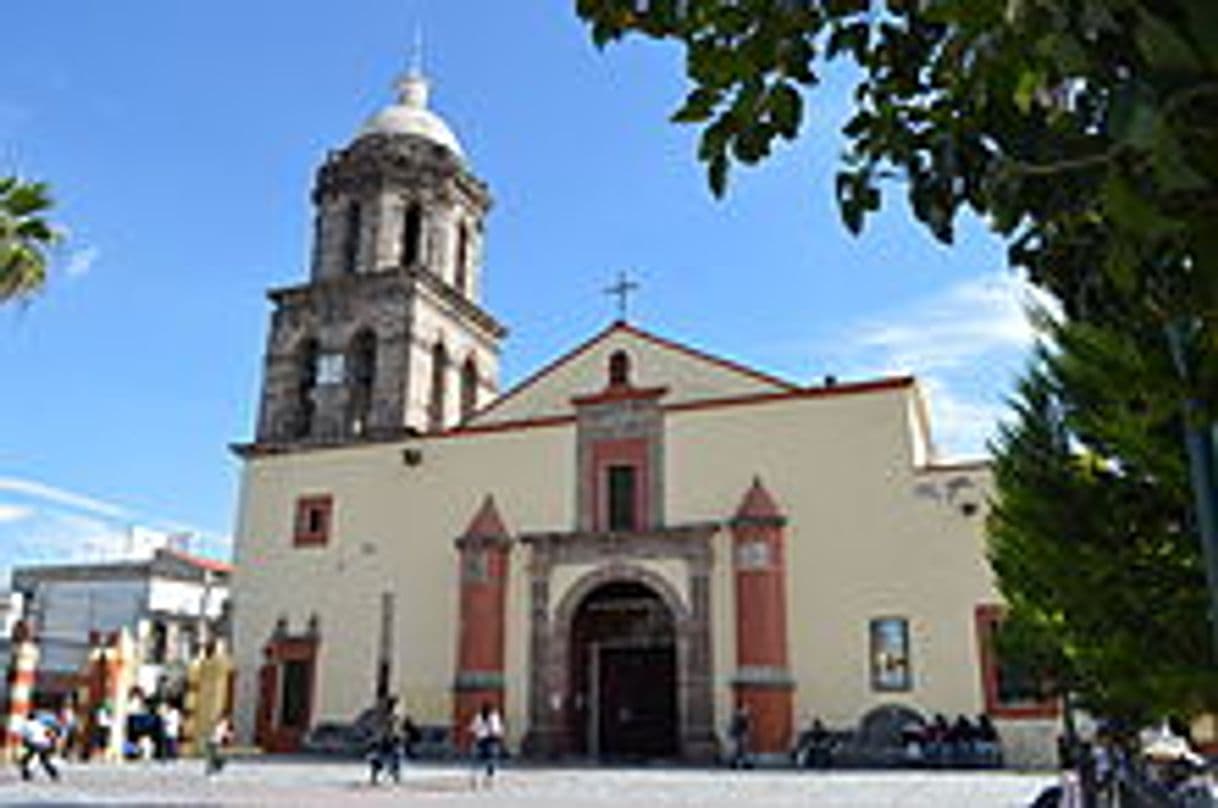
(571, 584)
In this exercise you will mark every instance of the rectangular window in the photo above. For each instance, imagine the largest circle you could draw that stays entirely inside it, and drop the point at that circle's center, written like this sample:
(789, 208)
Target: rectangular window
(623, 491)
(294, 698)
(890, 664)
(1011, 690)
(313, 518)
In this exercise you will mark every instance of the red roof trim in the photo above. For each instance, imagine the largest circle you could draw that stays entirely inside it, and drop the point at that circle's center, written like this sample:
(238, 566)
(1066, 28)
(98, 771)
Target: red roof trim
(872, 386)
(539, 374)
(698, 354)
(502, 426)
(199, 561)
(728, 364)
(619, 393)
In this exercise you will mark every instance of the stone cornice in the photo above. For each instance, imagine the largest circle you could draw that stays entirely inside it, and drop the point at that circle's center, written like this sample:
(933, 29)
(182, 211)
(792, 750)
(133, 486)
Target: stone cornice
(688, 531)
(388, 280)
(482, 542)
(758, 521)
(256, 449)
(372, 160)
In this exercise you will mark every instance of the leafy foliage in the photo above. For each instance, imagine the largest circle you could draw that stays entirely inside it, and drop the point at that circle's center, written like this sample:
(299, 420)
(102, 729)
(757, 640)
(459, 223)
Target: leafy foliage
(1091, 540)
(1084, 131)
(25, 237)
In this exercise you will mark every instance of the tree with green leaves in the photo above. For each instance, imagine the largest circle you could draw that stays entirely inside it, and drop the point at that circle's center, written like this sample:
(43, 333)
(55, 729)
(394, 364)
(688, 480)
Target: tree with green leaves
(25, 237)
(1085, 132)
(1091, 540)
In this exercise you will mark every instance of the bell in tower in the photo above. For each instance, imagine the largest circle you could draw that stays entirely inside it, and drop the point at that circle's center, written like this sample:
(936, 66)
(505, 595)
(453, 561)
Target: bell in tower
(388, 336)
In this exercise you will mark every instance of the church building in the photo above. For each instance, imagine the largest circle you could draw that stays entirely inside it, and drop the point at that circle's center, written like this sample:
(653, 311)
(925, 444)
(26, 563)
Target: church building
(618, 551)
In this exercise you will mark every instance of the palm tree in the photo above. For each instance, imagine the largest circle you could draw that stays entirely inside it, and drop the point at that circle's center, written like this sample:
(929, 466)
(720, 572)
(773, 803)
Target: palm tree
(25, 237)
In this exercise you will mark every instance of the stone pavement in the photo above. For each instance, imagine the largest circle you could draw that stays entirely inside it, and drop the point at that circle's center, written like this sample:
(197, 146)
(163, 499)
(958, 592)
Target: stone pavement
(306, 782)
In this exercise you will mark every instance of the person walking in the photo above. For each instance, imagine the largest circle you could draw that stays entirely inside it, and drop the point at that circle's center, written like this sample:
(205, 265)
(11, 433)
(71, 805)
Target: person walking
(38, 739)
(221, 734)
(487, 729)
(386, 753)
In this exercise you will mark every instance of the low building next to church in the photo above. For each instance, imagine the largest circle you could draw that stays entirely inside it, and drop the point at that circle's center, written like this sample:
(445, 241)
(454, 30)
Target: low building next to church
(619, 551)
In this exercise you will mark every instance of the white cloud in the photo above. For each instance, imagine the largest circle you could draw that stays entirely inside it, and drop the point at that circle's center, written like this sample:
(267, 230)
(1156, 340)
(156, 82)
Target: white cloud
(958, 326)
(80, 262)
(14, 513)
(65, 526)
(58, 496)
(966, 344)
(961, 425)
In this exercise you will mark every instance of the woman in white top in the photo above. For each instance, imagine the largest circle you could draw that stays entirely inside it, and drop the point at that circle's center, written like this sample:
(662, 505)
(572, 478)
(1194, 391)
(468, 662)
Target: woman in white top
(487, 729)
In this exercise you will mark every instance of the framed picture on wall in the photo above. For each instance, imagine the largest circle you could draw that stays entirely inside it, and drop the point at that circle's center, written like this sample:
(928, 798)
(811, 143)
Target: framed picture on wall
(890, 664)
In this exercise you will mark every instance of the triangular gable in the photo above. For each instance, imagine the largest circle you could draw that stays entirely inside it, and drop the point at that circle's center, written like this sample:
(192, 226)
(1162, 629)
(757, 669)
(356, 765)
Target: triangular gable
(688, 374)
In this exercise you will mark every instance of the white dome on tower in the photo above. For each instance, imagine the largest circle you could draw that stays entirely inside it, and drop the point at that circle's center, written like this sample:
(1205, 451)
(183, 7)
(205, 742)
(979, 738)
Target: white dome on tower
(409, 115)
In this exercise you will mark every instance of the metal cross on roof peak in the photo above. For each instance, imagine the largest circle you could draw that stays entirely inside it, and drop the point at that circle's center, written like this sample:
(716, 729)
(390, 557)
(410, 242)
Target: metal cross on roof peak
(622, 291)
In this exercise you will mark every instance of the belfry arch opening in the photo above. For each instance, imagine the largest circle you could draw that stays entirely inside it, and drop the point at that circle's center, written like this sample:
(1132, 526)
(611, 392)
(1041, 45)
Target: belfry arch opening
(623, 675)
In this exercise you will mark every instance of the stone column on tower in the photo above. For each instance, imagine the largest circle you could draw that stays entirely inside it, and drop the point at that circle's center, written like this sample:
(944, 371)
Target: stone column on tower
(763, 684)
(484, 557)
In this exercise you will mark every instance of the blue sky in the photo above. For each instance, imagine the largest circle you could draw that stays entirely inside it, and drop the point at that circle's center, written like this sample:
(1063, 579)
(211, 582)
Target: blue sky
(181, 141)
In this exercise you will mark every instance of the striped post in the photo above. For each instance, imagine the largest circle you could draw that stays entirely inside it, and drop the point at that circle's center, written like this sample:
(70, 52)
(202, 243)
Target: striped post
(23, 667)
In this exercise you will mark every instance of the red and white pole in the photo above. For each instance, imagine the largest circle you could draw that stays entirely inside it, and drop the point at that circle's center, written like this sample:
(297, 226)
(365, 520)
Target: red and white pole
(23, 667)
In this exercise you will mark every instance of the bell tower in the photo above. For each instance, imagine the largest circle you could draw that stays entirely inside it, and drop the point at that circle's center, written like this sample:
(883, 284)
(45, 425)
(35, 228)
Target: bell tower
(388, 336)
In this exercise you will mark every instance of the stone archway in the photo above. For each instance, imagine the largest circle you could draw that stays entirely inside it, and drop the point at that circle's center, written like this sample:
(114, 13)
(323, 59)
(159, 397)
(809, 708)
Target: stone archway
(559, 723)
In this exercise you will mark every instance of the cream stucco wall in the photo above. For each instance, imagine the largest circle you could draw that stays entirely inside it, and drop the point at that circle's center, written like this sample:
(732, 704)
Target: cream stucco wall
(393, 530)
(653, 364)
(871, 534)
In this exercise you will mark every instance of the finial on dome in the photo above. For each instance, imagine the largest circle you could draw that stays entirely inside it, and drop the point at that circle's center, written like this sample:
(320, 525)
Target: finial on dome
(416, 53)
(413, 86)
(413, 90)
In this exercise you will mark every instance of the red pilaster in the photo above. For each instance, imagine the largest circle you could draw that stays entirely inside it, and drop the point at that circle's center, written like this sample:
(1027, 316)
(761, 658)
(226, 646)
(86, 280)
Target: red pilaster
(762, 683)
(484, 552)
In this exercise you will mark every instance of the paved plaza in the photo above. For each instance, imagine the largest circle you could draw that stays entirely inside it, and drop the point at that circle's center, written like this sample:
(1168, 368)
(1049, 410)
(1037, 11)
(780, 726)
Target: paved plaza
(304, 782)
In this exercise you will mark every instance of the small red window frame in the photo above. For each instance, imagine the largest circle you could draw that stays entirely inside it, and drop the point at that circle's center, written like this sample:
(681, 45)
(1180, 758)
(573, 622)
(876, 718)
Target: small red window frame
(985, 617)
(302, 535)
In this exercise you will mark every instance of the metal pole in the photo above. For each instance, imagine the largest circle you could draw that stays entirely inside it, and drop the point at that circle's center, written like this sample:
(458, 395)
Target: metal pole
(1200, 439)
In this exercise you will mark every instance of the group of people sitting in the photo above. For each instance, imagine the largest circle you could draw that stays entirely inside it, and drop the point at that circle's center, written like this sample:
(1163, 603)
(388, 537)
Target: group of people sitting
(937, 744)
(962, 744)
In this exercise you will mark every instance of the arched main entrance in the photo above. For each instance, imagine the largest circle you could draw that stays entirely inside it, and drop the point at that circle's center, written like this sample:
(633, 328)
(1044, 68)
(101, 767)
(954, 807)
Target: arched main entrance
(623, 674)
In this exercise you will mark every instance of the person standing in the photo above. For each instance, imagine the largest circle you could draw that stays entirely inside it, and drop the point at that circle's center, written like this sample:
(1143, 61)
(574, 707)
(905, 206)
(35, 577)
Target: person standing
(738, 733)
(103, 724)
(68, 728)
(411, 735)
(171, 729)
(38, 739)
(221, 734)
(487, 729)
